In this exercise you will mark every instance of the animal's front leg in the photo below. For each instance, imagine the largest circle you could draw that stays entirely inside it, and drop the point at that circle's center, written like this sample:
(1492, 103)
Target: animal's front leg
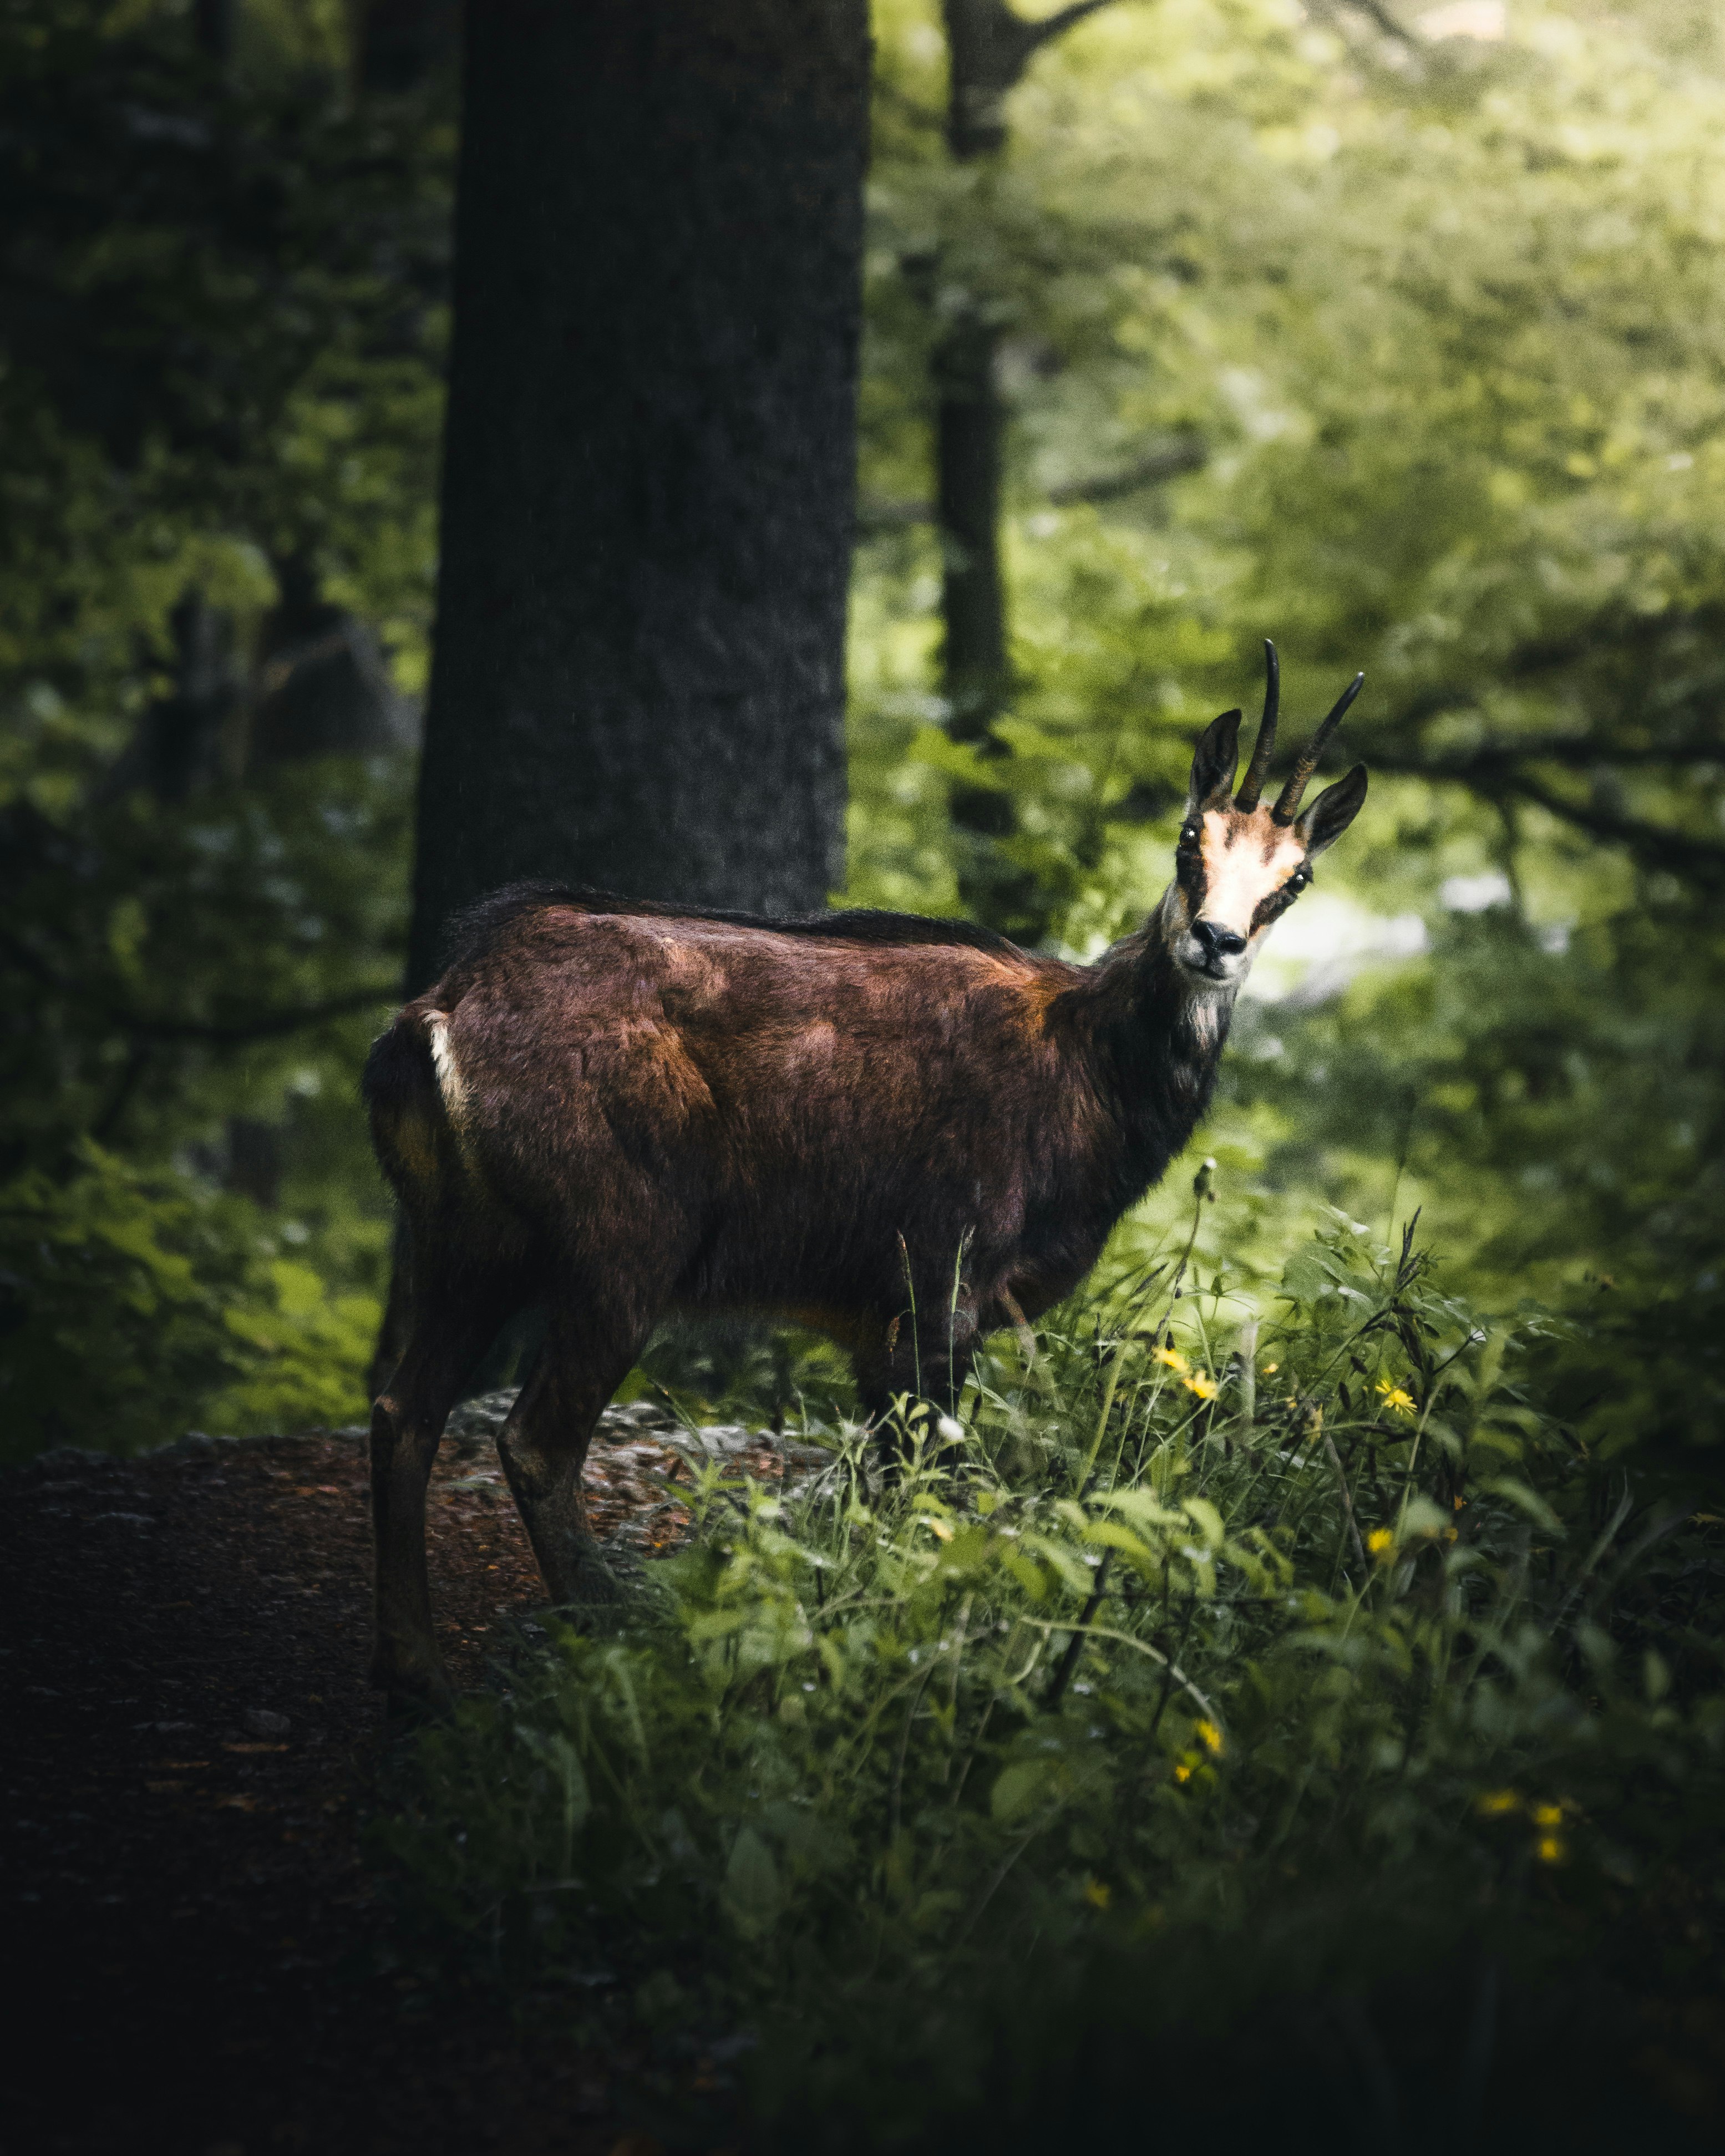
(928, 1362)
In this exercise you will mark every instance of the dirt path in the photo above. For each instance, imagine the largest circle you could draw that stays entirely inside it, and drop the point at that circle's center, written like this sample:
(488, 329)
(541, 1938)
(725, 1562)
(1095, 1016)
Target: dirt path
(199, 1960)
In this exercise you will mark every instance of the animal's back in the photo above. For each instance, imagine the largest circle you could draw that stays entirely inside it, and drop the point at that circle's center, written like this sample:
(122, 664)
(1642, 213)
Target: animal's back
(777, 1105)
(753, 1048)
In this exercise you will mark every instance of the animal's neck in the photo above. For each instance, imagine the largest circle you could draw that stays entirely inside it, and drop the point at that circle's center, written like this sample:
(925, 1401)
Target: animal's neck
(1158, 1040)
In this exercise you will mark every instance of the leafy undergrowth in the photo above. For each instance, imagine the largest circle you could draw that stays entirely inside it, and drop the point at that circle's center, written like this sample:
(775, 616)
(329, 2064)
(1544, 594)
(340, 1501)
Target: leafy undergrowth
(129, 1296)
(1290, 1728)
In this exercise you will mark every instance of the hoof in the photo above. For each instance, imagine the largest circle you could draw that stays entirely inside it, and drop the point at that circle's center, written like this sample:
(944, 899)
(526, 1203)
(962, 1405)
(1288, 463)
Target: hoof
(600, 1601)
(405, 1711)
(413, 1696)
(584, 1581)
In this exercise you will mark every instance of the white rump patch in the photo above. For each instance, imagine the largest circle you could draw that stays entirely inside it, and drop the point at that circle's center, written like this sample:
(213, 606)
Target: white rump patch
(443, 1061)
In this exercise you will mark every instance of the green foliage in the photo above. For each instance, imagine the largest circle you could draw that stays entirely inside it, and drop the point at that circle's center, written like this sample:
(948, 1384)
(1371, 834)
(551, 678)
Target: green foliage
(129, 1301)
(221, 380)
(1443, 314)
(1182, 1634)
(183, 974)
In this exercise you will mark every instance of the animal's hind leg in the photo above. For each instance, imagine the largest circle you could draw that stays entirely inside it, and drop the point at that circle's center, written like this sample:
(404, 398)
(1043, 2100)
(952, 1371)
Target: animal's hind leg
(586, 1354)
(450, 1333)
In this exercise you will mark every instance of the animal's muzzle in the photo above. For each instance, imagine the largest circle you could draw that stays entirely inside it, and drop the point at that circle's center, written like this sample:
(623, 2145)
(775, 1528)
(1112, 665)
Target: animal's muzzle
(1217, 943)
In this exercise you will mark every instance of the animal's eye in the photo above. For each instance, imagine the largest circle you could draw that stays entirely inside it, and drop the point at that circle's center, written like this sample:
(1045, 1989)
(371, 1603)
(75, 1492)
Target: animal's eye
(1189, 835)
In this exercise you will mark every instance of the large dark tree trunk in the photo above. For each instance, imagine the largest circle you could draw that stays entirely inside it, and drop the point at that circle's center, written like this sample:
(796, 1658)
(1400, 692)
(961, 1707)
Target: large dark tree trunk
(648, 495)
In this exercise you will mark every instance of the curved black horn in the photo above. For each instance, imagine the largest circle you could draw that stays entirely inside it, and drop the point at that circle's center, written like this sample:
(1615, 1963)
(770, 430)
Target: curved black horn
(1288, 801)
(1258, 770)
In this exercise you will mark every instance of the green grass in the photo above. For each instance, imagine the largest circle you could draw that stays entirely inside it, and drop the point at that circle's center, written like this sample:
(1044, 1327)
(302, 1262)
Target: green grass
(1204, 1673)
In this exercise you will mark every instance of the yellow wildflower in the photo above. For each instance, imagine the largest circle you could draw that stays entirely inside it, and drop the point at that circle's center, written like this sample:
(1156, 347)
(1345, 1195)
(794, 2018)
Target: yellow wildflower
(1547, 1816)
(1270, 1369)
(1205, 1388)
(1098, 1893)
(1496, 1802)
(1210, 1735)
(1380, 1542)
(1549, 1850)
(1173, 1359)
(1393, 1398)
(1182, 1773)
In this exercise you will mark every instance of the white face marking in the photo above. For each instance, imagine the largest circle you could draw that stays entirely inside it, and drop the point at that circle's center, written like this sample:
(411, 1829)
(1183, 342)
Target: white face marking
(1244, 859)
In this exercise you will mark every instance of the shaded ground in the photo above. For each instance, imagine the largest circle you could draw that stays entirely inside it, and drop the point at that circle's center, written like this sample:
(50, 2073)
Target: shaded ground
(199, 1961)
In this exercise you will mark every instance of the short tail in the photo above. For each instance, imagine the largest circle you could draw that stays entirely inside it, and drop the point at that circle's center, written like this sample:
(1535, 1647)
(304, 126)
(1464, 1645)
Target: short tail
(411, 1089)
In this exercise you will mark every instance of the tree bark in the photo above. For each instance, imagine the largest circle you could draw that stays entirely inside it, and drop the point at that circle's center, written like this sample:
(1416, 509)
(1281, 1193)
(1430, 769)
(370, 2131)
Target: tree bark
(969, 428)
(648, 490)
(322, 686)
(182, 742)
(988, 47)
(402, 44)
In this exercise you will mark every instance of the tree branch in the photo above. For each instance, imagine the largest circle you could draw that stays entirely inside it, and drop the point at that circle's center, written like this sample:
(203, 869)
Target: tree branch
(988, 47)
(1043, 32)
(1702, 860)
(1183, 453)
(1574, 751)
(142, 1026)
(1379, 14)
(1498, 769)
(268, 1025)
(1373, 10)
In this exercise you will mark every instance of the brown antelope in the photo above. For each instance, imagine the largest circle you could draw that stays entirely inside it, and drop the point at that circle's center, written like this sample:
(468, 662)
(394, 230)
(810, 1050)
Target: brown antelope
(616, 1109)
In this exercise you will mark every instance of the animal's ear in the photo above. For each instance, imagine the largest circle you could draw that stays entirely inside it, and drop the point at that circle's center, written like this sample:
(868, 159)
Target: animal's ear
(1214, 762)
(1334, 809)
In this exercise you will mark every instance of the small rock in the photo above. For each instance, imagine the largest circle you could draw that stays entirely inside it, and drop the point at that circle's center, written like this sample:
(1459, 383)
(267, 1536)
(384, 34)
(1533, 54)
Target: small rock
(263, 1722)
(473, 1420)
(641, 1414)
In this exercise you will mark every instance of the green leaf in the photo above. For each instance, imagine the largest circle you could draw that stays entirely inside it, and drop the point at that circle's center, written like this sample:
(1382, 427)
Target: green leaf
(753, 1892)
(1528, 1501)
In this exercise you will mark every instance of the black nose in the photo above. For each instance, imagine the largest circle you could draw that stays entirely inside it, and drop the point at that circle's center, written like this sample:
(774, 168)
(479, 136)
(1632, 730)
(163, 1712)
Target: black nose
(1218, 943)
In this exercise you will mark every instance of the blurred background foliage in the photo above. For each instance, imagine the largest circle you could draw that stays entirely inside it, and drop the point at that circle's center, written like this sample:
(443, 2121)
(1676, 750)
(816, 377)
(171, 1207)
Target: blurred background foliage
(1396, 337)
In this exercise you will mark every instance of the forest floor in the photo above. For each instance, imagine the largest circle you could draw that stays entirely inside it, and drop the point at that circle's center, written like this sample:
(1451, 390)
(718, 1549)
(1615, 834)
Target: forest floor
(202, 1957)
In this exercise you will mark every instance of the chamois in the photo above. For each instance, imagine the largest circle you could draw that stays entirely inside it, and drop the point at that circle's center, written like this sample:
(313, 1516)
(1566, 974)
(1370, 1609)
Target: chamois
(615, 1109)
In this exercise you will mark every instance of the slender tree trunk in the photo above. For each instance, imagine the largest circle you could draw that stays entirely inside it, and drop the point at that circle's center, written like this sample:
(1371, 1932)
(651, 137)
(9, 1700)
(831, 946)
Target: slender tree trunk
(649, 484)
(975, 680)
(988, 47)
(969, 452)
(322, 684)
(184, 740)
(213, 22)
(969, 425)
(401, 44)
